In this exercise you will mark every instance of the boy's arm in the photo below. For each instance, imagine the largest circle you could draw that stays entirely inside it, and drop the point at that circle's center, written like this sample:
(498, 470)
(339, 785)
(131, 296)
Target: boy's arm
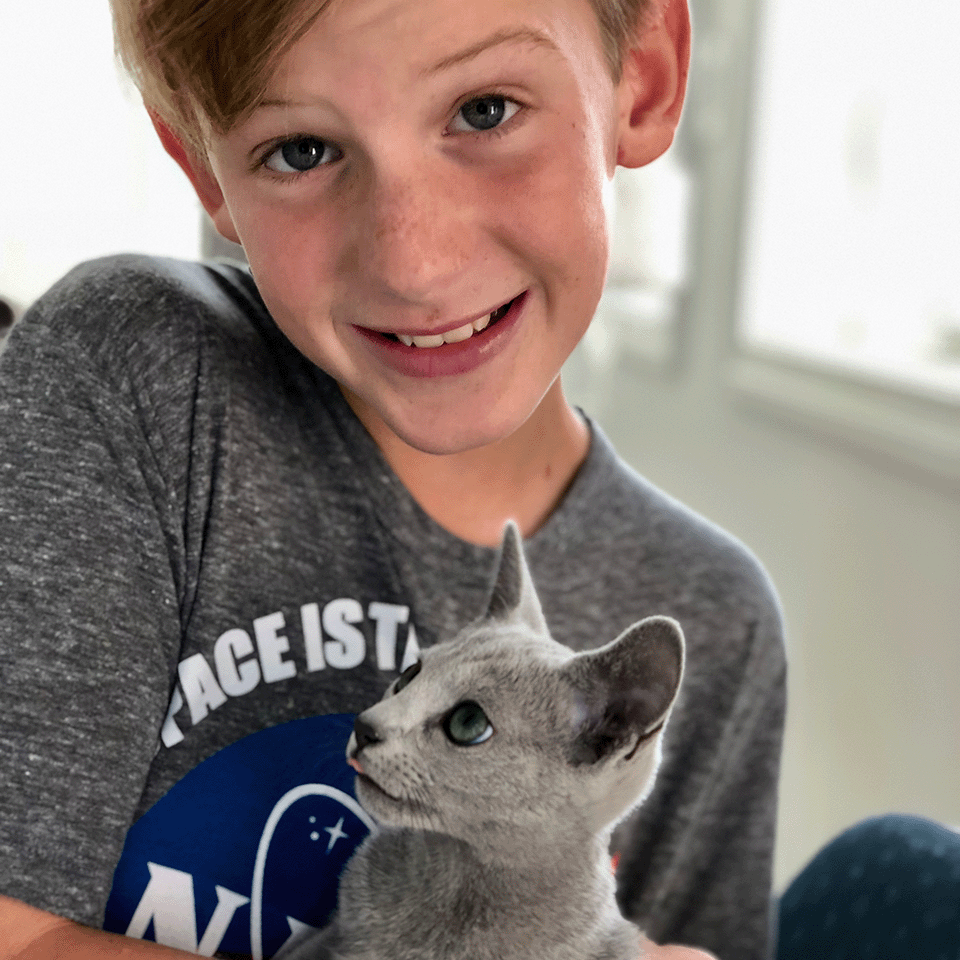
(30, 934)
(89, 613)
(653, 952)
(27, 933)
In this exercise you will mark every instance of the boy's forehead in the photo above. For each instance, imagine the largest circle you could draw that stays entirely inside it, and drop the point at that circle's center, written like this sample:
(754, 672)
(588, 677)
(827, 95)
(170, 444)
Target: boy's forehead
(437, 34)
(453, 14)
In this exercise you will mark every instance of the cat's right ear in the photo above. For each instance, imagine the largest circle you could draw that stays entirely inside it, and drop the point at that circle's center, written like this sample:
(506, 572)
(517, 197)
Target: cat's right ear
(514, 596)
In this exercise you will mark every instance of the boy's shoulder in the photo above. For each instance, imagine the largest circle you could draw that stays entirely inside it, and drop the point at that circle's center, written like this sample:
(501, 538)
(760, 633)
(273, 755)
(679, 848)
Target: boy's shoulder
(619, 548)
(162, 347)
(144, 299)
(665, 541)
(144, 325)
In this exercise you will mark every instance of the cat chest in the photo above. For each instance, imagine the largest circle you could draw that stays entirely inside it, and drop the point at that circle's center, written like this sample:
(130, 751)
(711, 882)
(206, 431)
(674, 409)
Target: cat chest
(433, 901)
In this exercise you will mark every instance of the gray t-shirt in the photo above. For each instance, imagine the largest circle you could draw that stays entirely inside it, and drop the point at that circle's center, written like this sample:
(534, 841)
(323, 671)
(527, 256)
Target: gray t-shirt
(207, 566)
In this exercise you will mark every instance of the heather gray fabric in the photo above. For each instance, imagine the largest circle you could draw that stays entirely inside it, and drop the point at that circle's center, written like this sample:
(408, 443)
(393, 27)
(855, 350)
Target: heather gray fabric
(173, 472)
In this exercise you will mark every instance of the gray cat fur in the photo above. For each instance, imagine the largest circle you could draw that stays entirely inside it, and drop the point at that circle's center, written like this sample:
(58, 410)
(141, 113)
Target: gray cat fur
(499, 851)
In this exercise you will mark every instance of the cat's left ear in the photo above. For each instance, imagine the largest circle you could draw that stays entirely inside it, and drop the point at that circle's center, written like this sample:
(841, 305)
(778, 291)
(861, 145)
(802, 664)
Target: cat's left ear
(625, 690)
(514, 596)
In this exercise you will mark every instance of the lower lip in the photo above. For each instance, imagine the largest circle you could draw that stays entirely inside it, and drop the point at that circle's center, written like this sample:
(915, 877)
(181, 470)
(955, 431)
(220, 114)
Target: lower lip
(450, 359)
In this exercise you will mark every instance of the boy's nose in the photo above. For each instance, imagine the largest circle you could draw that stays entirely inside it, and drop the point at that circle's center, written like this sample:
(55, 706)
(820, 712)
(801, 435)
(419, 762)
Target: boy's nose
(418, 240)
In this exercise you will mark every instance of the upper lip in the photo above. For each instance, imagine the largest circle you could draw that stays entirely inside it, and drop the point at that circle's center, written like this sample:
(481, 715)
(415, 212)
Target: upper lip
(446, 328)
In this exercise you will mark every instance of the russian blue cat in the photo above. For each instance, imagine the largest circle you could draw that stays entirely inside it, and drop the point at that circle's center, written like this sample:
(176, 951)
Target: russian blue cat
(497, 767)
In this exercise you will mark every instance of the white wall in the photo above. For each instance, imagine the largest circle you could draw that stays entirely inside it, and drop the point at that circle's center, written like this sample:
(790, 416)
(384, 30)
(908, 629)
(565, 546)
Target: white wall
(82, 173)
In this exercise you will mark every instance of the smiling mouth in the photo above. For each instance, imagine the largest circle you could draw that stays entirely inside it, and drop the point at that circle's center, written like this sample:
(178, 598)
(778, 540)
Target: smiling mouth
(458, 334)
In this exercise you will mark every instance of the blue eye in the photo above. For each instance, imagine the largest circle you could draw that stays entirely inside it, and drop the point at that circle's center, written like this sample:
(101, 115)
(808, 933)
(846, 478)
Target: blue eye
(485, 113)
(467, 725)
(301, 155)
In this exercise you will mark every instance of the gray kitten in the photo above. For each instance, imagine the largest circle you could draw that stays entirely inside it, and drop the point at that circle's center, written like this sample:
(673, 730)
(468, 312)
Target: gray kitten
(498, 766)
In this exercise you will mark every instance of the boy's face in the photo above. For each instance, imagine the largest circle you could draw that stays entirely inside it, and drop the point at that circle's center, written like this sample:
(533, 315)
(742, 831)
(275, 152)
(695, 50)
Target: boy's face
(419, 165)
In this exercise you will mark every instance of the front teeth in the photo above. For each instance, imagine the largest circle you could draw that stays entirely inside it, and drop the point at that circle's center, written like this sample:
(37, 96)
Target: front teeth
(451, 336)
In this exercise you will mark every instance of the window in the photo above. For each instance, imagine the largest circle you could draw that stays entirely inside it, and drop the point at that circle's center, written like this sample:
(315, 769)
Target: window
(850, 290)
(648, 260)
(853, 245)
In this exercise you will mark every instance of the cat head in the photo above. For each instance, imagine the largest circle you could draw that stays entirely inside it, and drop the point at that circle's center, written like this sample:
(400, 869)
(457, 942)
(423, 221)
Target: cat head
(502, 732)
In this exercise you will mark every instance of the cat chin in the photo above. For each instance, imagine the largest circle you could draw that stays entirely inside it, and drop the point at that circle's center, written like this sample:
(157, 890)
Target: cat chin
(385, 807)
(371, 794)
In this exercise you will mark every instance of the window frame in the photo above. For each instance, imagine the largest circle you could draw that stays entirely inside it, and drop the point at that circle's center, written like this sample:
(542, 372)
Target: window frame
(904, 422)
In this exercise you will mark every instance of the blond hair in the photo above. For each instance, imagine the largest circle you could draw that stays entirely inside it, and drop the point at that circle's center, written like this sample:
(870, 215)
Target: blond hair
(203, 65)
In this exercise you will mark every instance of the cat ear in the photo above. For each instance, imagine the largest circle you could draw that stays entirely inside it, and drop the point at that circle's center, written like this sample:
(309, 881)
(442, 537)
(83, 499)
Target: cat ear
(514, 596)
(625, 690)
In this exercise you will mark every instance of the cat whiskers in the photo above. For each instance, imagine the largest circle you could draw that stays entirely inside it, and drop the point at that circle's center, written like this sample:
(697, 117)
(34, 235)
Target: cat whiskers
(418, 803)
(407, 798)
(371, 783)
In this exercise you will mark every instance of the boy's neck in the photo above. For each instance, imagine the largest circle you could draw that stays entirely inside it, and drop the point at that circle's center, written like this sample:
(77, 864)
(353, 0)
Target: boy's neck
(472, 494)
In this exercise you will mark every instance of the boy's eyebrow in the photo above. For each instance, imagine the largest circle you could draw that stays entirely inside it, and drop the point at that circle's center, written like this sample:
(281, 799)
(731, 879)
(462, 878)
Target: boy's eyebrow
(507, 35)
(516, 35)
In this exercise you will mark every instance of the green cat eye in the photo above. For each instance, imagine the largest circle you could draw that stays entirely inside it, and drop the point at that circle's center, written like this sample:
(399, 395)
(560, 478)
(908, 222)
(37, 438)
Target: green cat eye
(467, 725)
(406, 676)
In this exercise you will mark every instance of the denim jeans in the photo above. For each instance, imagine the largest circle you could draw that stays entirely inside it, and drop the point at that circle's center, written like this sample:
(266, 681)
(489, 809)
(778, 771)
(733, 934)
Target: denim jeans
(886, 889)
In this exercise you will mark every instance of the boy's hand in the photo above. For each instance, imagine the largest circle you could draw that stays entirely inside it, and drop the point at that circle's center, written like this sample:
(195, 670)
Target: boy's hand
(27, 933)
(30, 934)
(650, 951)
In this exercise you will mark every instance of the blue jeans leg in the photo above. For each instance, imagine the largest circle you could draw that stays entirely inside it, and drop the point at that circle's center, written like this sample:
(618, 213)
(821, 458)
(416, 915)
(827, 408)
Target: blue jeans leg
(886, 889)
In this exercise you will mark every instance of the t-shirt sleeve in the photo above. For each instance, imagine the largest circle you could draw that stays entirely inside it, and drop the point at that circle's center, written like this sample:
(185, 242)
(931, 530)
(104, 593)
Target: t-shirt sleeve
(92, 588)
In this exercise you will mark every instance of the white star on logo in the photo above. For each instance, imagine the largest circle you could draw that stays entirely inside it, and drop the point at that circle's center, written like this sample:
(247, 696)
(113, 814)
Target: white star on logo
(336, 833)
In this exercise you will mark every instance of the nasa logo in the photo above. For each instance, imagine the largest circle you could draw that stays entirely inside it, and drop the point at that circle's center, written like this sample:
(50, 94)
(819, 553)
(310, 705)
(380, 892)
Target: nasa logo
(246, 851)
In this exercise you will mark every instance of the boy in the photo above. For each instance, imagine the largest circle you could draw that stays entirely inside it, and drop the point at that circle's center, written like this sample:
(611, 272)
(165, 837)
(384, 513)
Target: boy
(234, 507)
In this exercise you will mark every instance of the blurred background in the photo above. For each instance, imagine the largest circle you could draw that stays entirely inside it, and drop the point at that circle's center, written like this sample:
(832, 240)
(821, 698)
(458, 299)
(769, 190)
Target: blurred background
(779, 345)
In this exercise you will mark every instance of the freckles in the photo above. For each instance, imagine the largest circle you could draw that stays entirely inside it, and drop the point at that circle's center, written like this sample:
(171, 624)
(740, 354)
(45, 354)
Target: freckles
(543, 199)
(434, 237)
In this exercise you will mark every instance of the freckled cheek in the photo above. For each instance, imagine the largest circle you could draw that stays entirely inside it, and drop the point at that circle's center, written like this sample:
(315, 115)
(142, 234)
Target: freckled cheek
(292, 256)
(552, 208)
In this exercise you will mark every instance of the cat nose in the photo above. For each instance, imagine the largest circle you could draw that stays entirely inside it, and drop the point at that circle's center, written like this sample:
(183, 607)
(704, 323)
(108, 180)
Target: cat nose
(364, 732)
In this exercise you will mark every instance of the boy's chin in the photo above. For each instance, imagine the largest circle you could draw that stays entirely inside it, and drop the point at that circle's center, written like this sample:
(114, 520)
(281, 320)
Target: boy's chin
(446, 433)
(442, 440)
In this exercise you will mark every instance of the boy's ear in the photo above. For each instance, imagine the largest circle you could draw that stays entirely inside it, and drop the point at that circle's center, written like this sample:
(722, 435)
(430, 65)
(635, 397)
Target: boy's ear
(654, 83)
(199, 174)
